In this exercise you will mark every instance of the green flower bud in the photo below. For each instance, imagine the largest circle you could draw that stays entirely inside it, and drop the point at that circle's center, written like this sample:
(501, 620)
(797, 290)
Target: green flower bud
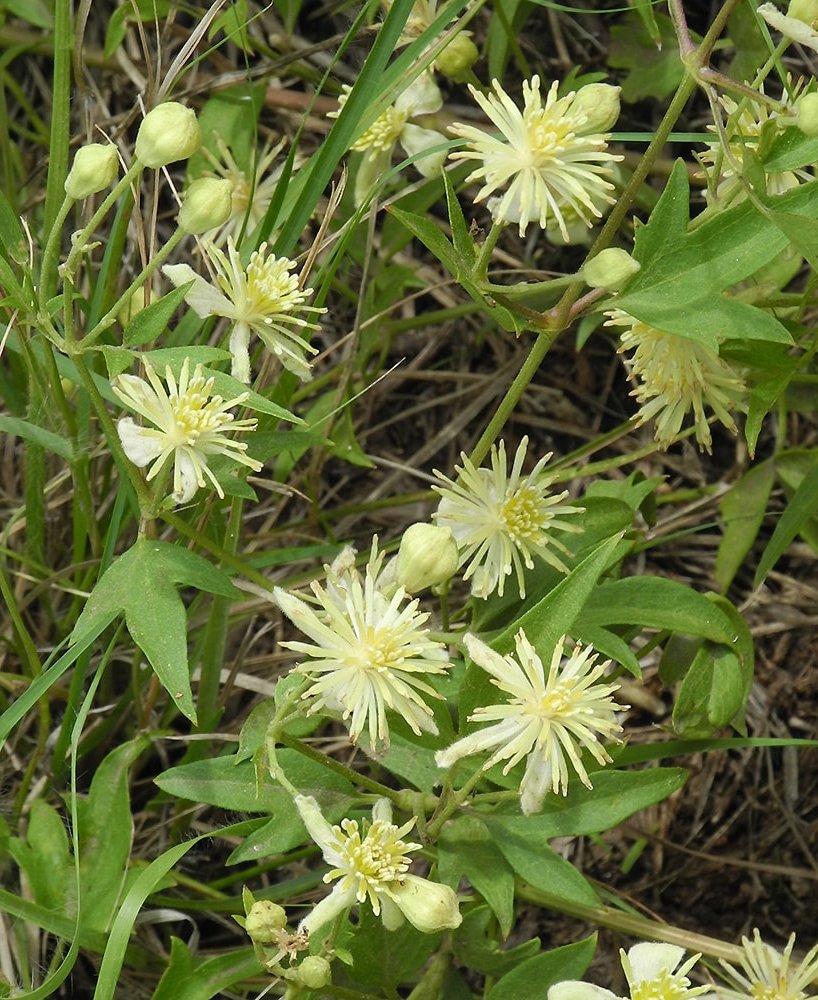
(208, 203)
(427, 556)
(804, 10)
(264, 921)
(458, 57)
(806, 114)
(611, 269)
(428, 906)
(168, 133)
(314, 972)
(94, 168)
(135, 304)
(599, 102)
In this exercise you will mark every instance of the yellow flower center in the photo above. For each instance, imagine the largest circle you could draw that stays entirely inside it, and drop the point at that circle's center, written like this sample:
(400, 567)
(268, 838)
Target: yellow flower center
(376, 860)
(383, 133)
(271, 289)
(521, 515)
(546, 136)
(196, 413)
(377, 649)
(666, 986)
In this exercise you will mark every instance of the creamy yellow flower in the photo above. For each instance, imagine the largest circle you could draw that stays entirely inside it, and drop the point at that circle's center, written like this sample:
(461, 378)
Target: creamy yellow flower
(371, 865)
(547, 161)
(652, 974)
(549, 719)
(369, 652)
(265, 298)
(675, 376)
(768, 974)
(189, 425)
(501, 519)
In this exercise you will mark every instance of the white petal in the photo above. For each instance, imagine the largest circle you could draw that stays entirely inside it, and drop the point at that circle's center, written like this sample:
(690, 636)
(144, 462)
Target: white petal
(370, 170)
(139, 443)
(328, 909)
(239, 348)
(572, 989)
(390, 913)
(382, 811)
(422, 97)
(797, 30)
(313, 819)
(415, 139)
(649, 959)
(203, 298)
(535, 784)
(185, 478)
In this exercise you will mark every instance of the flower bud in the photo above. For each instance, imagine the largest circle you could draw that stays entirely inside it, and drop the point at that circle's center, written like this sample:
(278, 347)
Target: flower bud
(208, 203)
(611, 269)
(458, 57)
(264, 920)
(135, 304)
(427, 556)
(428, 906)
(806, 114)
(599, 102)
(314, 972)
(94, 168)
(804, 10)
(168, 133)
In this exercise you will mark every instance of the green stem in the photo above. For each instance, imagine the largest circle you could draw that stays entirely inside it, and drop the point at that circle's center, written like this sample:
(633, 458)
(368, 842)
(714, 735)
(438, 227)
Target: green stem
(354, 777)
(632, 924)
(156, 261)
(60, 127)
(486, 251)
(529, 368)
(48, 268)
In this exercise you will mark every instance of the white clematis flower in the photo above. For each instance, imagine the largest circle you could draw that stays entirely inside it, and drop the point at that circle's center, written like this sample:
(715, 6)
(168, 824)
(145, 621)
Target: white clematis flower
(265, 298)
(371, 865)
(547, 719)
(652, 974)
(768, 974)
(369, 652)
(189, 425)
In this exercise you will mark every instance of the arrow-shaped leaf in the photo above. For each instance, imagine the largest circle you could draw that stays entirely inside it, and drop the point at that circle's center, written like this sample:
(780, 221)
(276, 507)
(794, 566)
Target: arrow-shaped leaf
(142, 586)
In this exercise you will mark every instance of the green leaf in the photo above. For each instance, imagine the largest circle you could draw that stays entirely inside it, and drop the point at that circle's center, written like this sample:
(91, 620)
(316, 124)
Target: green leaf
(476, 948)
(654, 70)
(526, 851)
(467, 848)
(105, 830)
(189, 978)
(712, 693)
(616, 795)
(802, 506)
(383, 959)
(461, 237)
(12, 239)
(654, 602)
(411, 762)
(791, 149)
(742, 509)
(31, 432)
(45, 858)
(231, 784)
(149, 323)
(532, 979)
(679, 288)
(141, 585)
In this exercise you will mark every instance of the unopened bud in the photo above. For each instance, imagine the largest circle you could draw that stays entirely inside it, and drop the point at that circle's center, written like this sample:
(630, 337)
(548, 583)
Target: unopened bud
(427, 556)
(611, 269)
(135, 304)
(264, 920)
(168, 133)
(428, 906)
(208, 203)
(94, 168)
(457, 58)
(804, 10)
(314, 972)
(806, 114)
(599, 102)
